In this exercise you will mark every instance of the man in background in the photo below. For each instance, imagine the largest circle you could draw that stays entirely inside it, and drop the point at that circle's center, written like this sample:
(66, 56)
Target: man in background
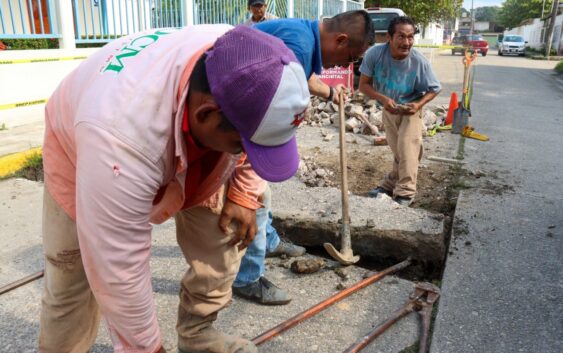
(258, 9)
(402, 80)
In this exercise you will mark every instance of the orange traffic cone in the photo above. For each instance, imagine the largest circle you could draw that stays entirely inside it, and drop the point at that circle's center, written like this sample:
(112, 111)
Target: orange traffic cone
(453, 106)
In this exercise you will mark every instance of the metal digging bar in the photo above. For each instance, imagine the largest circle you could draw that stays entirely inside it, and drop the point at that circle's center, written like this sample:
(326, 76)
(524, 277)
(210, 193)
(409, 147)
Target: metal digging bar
(422, 300)
(345, 256)
(304, 315)
(20, 282)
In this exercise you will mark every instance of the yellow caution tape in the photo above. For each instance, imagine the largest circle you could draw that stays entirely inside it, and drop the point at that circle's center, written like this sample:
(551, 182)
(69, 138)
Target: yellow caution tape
(436, 46)
(22, 104)
(13, 162)
(41, 60)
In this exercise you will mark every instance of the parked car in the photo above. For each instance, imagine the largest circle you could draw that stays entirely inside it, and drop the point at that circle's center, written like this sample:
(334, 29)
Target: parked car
(380, 17)
(512, 44)
(471, 42)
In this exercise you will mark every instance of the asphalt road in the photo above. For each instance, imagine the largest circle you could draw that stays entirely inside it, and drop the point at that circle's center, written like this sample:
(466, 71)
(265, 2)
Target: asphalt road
(502, 286)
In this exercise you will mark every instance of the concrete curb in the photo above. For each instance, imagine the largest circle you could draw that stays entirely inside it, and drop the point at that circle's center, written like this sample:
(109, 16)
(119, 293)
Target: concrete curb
(13, 162)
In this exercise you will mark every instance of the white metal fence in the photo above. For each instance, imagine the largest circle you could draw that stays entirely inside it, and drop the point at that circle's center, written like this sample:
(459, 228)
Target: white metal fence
(84, 21)
(534, 34)
(219, 11)
(27, 19)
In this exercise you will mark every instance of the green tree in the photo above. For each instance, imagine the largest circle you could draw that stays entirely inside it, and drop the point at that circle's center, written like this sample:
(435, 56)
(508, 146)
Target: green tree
(513, 12)
(486, 13)
(423, 11)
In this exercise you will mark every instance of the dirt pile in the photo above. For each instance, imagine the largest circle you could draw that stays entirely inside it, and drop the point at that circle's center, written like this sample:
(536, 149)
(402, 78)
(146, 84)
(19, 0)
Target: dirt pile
(313, 175)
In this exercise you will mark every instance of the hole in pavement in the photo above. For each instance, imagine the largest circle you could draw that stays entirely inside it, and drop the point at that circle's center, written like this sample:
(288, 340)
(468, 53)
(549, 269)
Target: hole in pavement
(438, 188)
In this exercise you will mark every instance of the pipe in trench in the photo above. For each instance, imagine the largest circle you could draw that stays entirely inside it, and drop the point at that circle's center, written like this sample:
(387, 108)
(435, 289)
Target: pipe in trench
(396, 316)
(304, 315)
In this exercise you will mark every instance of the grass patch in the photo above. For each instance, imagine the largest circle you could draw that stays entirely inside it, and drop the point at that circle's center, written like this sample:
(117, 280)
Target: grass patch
(559, 67)
(27, 165)
(32, 168)
(3, 127)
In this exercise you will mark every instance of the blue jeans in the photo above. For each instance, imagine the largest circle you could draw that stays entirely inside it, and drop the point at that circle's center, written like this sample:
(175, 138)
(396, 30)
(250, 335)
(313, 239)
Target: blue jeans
(267, 239)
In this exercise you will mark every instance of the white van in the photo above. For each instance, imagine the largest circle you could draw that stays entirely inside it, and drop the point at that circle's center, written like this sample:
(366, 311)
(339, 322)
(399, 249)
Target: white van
(381, 17)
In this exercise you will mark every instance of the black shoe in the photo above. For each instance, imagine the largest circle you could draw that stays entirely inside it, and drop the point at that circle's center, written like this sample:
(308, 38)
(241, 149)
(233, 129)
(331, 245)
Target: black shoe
(288, 249)
(403, 201)
(263, 292)
(379, 190)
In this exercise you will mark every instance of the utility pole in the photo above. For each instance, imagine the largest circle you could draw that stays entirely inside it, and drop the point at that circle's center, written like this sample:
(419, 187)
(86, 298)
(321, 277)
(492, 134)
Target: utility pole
(472, 19)
(551, 27)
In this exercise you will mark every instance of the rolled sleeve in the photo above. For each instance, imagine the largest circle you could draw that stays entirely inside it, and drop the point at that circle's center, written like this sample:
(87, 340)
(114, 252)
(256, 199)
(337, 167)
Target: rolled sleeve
(246, 187)
(115, 187)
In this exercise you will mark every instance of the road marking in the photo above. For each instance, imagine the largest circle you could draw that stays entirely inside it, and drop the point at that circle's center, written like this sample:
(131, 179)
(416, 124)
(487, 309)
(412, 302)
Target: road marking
(13, 162)
(41, 60)
(22, 104)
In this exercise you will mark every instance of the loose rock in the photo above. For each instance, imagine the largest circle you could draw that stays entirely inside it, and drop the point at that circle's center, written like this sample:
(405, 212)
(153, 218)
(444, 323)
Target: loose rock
(307, 265)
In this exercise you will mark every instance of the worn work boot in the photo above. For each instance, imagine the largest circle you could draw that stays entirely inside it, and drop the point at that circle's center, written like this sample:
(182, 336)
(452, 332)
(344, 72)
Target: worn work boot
(197, 335)
(288, 249)
(263, 292)
(379, 190)
(403, 201)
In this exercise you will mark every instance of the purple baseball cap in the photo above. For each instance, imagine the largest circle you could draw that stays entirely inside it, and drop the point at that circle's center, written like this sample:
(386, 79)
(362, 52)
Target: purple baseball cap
(262, 90)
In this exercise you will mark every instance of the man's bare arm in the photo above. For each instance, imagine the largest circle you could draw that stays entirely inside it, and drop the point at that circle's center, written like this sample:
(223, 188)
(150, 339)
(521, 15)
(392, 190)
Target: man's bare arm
(320, 89)
(366, 87)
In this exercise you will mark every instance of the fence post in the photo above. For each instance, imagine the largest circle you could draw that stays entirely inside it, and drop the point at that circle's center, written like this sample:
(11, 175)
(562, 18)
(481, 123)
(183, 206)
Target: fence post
(65, 16)
(290, 8)
(320, 15)
(344, 5)
(188, 15)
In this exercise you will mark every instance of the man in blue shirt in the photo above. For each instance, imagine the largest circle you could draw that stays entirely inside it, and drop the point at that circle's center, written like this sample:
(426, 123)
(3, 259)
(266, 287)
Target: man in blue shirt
(337, 41)
(402, 80)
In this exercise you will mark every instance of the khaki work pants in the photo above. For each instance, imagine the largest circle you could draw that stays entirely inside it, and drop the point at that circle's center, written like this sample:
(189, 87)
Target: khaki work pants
(404, 136)
(69, 312)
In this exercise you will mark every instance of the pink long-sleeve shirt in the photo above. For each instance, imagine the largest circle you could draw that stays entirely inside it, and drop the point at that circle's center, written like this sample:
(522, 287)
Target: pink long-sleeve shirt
(114, 139)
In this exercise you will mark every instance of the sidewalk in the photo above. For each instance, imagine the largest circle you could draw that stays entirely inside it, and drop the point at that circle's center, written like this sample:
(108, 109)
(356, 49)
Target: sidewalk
(26, 83)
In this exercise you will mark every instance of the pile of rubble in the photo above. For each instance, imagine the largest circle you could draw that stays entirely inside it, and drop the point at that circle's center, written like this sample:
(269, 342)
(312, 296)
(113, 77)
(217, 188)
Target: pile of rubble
(312, 175)
(363, 115)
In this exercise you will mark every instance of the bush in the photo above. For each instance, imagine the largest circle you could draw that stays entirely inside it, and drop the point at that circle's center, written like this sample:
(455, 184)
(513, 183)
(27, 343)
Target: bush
(31, 44)
(51, 43)
(531, 50)
(559, 67)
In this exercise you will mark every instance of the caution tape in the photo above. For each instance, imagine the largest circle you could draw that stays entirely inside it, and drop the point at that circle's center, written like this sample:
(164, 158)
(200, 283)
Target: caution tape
(22, 104)
(436, 46)
(41, 60)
